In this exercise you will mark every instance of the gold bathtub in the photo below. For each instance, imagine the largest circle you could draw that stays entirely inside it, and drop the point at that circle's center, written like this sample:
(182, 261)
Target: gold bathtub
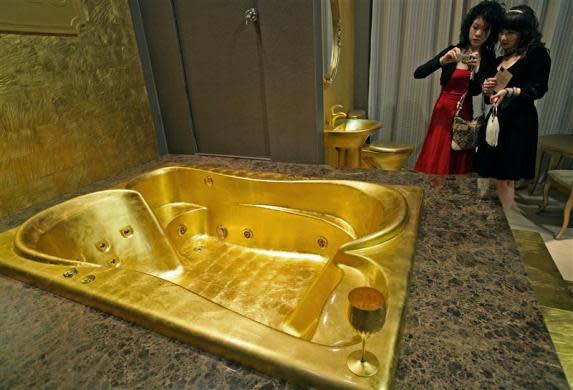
(255, 270)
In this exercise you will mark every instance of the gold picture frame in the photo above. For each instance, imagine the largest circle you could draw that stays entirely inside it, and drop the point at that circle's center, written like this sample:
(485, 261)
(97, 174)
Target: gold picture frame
(45, 17)
(329, 76)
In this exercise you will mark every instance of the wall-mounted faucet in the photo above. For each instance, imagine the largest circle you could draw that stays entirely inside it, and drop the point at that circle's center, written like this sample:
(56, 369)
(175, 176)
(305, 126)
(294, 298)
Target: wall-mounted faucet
(334, 114)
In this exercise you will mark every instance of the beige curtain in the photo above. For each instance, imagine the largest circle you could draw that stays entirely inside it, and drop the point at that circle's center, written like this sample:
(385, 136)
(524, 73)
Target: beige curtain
(406, 33)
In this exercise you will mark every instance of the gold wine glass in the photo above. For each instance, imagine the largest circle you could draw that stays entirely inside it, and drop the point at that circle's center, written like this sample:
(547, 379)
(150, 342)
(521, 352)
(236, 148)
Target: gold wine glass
(366, 314)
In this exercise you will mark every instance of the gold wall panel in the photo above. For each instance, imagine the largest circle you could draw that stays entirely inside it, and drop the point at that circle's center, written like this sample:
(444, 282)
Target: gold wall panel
(73, 110)
(42, 16)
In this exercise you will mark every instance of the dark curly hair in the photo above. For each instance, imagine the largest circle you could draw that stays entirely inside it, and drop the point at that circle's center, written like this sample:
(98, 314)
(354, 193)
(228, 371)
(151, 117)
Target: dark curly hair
(522, 19)
(492, 13)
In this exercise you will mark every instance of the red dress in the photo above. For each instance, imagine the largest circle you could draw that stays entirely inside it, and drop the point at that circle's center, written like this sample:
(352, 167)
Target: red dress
(437, 156)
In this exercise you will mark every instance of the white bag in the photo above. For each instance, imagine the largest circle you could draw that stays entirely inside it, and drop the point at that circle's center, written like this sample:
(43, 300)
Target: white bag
(492, 129)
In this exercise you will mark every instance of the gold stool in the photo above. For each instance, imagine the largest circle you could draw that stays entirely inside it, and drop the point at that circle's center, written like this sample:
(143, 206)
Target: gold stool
(386, 155)
(562, 178)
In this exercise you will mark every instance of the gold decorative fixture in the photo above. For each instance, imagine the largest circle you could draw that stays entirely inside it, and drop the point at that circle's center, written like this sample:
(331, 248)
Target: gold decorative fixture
(336, 113)
(335, 42)
(387, 156)
(42, 16)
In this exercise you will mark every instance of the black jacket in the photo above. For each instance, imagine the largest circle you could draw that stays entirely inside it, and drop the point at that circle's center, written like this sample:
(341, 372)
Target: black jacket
(486, 69)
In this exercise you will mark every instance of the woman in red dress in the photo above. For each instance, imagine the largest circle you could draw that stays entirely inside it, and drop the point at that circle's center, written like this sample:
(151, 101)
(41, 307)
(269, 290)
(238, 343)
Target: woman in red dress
(464, 68)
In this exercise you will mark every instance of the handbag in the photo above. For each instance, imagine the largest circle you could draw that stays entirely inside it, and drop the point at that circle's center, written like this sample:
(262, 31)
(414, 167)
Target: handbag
(492, 129)
(464, 132)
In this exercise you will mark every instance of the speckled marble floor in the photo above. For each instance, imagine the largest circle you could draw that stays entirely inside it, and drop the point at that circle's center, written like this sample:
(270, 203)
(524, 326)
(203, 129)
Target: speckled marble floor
(552, 293)
(525, 216)
(471, 319)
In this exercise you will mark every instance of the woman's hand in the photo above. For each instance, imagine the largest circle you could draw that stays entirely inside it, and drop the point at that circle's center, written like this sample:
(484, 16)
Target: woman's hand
(488, 85)
(498, 97)
(451, 56)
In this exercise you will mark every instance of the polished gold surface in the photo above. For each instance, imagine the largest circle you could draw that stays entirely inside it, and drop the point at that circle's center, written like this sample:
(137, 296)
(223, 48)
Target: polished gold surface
(335, 44)
(255, 270)
(386, 156)
(552, 293)
(73, 110)
(42, 16)
(343, 141)
(103, 229)
(560, 325)
(366, 315)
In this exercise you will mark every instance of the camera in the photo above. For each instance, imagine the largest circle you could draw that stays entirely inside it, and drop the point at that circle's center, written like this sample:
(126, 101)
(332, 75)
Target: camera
(467, 57)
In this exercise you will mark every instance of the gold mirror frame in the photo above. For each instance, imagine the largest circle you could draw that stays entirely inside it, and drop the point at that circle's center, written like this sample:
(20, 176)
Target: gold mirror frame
(42, 17)
(328, 78)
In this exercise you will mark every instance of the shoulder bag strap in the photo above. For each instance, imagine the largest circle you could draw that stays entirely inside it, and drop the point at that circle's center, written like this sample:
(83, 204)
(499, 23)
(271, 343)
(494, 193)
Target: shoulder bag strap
(460, 104)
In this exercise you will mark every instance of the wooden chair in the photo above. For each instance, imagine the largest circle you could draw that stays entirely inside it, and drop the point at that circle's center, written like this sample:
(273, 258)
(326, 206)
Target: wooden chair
(557, 146)
(563, 178)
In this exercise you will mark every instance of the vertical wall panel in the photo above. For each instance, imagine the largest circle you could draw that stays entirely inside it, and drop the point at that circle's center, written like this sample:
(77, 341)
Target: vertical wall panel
(410, 113)
(291, 40)
(362, 53)
(165, 55)
(254, 90)
(223, 64)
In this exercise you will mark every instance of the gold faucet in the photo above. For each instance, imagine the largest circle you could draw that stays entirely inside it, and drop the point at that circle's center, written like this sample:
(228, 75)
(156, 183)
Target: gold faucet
(334, 115)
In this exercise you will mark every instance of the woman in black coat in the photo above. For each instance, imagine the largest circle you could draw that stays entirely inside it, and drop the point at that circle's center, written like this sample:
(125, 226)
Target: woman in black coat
(528, 61)
(464, 67)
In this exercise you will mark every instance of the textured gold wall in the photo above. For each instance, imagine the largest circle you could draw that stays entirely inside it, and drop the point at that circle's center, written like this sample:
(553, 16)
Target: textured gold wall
(342, 89)
(73, 110)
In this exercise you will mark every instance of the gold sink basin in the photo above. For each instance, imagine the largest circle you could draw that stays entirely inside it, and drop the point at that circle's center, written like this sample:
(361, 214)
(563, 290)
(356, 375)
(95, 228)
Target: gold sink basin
(255, 270)
(343, 142)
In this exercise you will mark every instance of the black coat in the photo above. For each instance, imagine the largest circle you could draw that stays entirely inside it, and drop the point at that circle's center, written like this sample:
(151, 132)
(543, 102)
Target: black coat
(514, 156)
(486, 69)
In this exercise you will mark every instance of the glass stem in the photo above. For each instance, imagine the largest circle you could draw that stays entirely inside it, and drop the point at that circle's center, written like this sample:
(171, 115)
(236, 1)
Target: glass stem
(363, 348)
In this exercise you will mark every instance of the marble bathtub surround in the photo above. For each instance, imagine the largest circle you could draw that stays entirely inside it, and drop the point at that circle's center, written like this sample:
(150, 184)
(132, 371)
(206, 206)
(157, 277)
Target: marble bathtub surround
(471, 318)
